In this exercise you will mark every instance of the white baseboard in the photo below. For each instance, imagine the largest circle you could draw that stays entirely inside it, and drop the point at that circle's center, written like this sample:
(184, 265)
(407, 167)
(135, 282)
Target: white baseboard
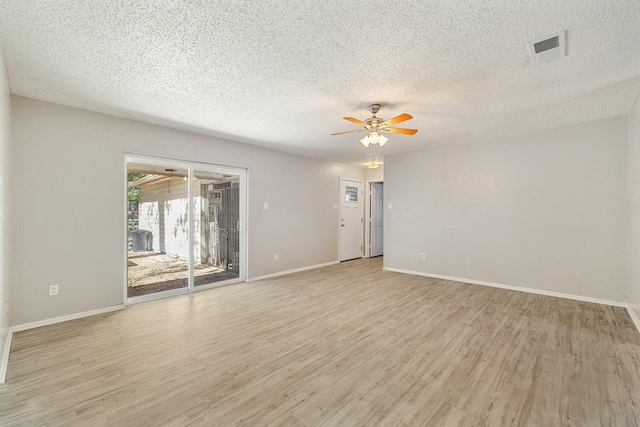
(633, 316)
(7, 349)
(4, 363)
(61, 319)
(296, 270)
(512, 288)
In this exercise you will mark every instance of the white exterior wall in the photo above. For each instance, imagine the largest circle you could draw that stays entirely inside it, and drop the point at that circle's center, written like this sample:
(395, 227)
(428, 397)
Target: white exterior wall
(81, 155)
(163, 210)
(546, 210)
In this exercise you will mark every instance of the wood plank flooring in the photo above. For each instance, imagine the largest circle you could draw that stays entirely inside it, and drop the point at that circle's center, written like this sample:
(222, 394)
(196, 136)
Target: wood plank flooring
(347, 344)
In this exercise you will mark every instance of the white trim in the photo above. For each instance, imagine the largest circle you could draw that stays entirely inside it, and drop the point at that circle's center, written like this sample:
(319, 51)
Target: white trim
(198, 288)
(633, 316)
(295, 270)
(511, 288)
(190, 230)
(7, 350)
(125, 237)
(54, 320)
(4, 363)
(157, 295)
(244, 226)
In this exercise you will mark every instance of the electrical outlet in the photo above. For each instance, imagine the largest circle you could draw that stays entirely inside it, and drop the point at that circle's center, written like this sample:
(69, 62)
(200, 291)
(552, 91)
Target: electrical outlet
(266, 205)
(276, 257)
(423, 256)
(390, 206)
(53, 290)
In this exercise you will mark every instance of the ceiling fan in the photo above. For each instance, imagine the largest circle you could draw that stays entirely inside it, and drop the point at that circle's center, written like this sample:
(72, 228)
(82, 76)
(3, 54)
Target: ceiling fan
(375, 126)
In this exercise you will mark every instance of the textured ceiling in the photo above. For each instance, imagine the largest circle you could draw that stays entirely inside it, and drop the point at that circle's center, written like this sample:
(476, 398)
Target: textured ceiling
(282, 73)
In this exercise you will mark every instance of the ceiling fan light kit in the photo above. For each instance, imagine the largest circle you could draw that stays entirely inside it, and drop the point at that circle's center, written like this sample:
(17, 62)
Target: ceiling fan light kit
(375, 160)
(374, 138)
(374, 164)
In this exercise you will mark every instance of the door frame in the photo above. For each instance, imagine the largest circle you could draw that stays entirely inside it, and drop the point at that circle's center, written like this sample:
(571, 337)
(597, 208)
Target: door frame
(367, 215)
(341, 202)
(190, 166)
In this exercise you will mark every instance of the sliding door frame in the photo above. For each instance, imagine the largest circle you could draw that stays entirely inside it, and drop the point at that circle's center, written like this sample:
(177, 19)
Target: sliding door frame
(242, 225)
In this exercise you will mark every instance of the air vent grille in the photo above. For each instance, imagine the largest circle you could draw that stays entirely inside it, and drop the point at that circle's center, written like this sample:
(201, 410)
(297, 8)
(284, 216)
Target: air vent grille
(548, 48)
(546, 44)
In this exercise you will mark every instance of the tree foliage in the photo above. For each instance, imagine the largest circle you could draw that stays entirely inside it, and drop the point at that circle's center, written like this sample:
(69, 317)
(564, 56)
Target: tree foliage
(133, 193)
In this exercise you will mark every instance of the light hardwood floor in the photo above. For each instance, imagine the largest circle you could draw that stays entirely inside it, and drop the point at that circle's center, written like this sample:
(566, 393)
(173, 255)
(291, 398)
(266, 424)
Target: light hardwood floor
(343, 345)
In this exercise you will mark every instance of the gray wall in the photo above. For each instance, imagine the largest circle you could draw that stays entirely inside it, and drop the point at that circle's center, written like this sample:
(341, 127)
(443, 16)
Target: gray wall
(5, 183)
(375, 174)
(68, 204)
(633, 290)
(545, 210)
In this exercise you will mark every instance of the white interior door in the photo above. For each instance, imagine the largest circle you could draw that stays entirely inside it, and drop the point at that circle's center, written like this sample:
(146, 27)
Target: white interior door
(351, 219)
(377, 211)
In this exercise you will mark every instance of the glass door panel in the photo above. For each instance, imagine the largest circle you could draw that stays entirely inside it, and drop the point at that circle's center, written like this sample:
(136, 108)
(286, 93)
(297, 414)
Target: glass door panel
(216, 236)
(157, 228)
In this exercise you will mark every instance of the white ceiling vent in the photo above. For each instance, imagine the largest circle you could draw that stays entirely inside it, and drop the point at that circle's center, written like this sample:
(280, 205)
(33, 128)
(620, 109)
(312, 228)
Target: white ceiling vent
(548, 48)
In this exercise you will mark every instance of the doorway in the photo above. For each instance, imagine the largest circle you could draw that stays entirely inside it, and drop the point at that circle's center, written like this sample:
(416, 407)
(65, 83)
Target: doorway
(376, 219)
(351, 219)
(184, 227)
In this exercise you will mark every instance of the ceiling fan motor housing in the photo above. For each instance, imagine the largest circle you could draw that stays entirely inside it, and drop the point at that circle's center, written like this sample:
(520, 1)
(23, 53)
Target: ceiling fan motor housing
(373, 122)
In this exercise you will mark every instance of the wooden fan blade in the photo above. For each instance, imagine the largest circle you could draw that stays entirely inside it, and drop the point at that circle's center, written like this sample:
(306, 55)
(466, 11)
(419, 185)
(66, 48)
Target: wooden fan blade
(402, 131)
(397, 119)
(349, 131)
(356, 121)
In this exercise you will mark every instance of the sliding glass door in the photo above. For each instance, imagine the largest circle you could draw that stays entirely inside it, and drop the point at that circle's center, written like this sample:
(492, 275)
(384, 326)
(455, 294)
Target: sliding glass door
(184, 226)
(216, 200)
